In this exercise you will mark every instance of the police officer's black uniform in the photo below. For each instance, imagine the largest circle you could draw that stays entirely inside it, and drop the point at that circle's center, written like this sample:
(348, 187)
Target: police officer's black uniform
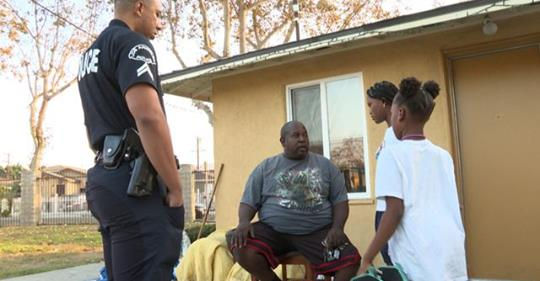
(141, 235)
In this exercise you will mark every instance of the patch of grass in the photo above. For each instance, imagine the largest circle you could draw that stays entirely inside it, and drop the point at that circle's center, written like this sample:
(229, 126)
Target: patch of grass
(26, 250)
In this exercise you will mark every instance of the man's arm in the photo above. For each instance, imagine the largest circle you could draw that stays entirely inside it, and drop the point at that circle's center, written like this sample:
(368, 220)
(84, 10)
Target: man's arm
(389, 222)
(340, 213)
(336, 235)
(244, 228)
(144, 105)
(245, 213)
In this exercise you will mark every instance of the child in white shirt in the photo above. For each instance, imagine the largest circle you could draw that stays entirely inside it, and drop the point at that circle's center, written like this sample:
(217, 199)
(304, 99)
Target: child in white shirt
(422, 222)
(379, 101)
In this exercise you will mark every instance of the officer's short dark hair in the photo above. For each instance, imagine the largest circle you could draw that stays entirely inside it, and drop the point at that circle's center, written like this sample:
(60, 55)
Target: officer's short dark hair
(120, 5)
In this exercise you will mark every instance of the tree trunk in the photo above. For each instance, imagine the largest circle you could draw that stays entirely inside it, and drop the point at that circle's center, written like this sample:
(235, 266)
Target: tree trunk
(242, 26)
(227, 24)
(38, 136)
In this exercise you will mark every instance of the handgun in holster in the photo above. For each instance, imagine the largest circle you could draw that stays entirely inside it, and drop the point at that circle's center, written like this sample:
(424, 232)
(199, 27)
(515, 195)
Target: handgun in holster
(143, 175)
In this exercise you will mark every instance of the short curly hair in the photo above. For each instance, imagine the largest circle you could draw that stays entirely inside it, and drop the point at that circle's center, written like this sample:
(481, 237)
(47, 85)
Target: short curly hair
(418, 98)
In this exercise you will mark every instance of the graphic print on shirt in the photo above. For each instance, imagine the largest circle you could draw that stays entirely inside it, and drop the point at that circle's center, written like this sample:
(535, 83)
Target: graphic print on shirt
(299, 189)
(143, 53)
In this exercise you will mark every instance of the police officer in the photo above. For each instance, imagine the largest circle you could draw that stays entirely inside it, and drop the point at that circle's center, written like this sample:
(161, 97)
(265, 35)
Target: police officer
(120, 89)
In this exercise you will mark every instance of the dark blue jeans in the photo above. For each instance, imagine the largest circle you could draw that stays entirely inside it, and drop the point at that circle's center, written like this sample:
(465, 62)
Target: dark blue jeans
(141, 235)
(384, 251)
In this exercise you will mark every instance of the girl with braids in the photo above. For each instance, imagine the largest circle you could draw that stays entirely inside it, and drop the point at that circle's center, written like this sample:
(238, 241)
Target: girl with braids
(379, 100)
(422, 222)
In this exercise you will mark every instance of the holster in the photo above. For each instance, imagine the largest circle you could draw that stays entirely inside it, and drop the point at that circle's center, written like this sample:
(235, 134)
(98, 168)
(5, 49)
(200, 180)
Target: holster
(143, 175)
(142, 178)
(128, 147)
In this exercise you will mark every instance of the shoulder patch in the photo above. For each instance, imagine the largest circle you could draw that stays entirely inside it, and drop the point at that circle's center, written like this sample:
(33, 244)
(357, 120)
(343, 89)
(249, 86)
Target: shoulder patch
(142, 53)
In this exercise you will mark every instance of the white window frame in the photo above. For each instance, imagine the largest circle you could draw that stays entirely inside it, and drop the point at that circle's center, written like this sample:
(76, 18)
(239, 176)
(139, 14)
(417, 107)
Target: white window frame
(324, 117)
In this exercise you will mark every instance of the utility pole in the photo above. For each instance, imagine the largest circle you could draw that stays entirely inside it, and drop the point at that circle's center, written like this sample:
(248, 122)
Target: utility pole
(296, 9)
(198, 143)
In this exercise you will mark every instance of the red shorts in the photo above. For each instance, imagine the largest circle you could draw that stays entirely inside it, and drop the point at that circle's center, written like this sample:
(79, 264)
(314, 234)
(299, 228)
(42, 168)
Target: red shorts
(272, 244)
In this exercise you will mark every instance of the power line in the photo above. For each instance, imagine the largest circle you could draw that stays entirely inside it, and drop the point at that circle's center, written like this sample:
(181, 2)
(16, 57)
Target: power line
(63, 18)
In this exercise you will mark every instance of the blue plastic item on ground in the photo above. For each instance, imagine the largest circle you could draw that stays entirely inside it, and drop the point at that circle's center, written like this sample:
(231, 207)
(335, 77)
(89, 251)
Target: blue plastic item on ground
(103, 275)
(383, 273)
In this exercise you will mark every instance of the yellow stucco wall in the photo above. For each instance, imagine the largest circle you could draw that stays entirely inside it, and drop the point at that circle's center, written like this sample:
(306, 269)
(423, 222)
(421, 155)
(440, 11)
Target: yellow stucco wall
(251, 107)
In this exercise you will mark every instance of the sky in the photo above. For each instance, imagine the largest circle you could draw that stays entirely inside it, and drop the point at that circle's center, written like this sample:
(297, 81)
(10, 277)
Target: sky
(66, 134)
(64, 124)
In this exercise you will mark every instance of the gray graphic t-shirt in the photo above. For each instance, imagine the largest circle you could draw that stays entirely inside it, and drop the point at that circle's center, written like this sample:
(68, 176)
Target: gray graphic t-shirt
(295, 196)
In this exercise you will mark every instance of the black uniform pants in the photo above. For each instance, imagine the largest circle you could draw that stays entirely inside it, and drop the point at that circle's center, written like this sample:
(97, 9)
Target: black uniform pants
(141, 236)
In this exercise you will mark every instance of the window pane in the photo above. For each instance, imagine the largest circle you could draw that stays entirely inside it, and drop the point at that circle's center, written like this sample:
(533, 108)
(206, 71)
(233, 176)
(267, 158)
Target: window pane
(345, 128)
(306, 108)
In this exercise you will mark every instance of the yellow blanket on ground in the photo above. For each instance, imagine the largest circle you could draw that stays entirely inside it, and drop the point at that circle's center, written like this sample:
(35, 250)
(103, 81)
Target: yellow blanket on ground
(208, 259)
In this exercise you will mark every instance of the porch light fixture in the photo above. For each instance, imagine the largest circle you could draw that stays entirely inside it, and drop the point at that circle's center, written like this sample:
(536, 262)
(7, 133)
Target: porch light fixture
(489, 27)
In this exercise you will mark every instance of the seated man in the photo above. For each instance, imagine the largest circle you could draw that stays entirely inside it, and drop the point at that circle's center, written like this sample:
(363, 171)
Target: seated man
(302, 204)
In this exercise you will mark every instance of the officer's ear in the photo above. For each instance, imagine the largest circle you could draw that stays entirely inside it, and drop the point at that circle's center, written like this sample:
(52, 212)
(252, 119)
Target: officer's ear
(139, 7)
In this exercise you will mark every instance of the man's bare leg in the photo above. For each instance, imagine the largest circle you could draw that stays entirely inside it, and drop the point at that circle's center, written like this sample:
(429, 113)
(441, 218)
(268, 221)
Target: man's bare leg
(345, 274)
(255, 264)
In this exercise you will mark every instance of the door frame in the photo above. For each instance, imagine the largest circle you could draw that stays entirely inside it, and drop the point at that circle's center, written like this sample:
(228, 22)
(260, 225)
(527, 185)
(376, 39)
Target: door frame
(478, 50)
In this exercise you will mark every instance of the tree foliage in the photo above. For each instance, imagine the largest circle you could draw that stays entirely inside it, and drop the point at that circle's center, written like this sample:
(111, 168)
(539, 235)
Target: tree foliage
(224, 28)
(11, 172)
(40, 43)
(228, 27)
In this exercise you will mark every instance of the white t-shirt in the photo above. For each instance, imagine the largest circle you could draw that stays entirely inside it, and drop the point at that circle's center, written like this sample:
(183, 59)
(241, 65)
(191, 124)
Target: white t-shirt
(429, 242)
(389, 139)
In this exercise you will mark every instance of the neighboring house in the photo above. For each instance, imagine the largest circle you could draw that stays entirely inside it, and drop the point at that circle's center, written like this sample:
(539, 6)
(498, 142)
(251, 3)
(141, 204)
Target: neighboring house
(203, 187)
(62, 180)
(487, 116)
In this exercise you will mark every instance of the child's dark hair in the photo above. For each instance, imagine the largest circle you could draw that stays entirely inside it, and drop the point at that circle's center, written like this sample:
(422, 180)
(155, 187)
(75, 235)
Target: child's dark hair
(384, 90)
(417, 98)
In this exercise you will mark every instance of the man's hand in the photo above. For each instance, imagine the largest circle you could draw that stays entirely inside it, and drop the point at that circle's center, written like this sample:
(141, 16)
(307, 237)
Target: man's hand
(364, 265)
(240, 235)
(335, 238)
(175, 198)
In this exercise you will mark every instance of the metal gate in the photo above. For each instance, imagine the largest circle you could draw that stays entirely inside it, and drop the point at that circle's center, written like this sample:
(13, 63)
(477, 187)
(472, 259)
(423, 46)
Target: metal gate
(10, 202)
(63, 200)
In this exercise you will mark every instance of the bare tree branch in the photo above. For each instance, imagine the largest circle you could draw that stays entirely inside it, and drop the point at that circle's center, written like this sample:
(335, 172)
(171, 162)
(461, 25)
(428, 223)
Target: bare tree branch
(171, 20)
(349, 17)
(63, 88)
(272, 32)
(227, 25)
(289, 32)
(21, 19)
(255, 20)
(254, 45)
(254, 5)
(207, 44)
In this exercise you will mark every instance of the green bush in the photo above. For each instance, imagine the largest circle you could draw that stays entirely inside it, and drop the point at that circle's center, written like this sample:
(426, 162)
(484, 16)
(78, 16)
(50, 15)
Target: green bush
(192, 230)
(5, 213)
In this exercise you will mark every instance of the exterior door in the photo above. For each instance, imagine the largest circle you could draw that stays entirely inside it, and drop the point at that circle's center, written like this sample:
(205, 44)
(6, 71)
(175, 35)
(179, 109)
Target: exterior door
(498, 114)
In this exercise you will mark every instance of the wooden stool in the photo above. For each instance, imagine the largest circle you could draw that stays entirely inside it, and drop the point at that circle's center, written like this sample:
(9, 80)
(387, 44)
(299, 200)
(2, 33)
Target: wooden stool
(295, 258)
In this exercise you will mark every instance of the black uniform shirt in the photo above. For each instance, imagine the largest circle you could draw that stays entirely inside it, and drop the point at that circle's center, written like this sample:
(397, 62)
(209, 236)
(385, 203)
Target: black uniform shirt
(118, 59)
